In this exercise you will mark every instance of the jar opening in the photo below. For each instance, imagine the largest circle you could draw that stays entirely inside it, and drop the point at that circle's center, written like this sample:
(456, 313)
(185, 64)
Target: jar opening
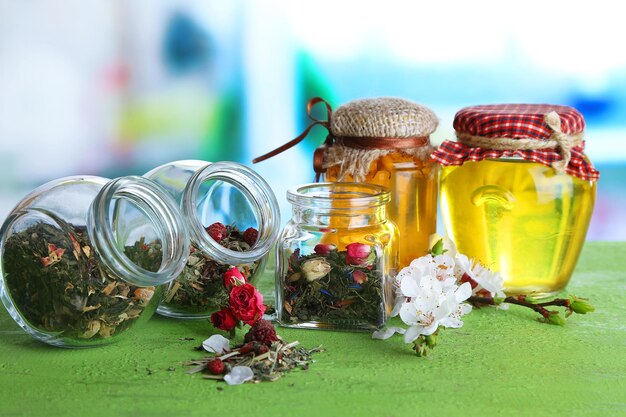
(231, 194)
(135, 212)
(339, 195)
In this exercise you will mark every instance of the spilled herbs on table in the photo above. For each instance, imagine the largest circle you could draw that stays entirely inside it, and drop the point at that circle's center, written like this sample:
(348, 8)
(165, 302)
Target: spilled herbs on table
(263, 356)
(59, 283)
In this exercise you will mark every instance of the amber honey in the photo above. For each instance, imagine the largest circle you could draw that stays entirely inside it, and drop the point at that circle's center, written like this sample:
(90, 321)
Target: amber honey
(520, 218)
(413, 205)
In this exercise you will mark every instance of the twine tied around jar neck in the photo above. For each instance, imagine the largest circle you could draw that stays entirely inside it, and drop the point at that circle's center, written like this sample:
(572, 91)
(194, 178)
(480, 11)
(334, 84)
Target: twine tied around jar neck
(347, 150)
(558, 140)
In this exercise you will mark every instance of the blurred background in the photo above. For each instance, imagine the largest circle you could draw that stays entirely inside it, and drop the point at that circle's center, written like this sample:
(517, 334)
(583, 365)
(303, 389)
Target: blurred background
(113, 87)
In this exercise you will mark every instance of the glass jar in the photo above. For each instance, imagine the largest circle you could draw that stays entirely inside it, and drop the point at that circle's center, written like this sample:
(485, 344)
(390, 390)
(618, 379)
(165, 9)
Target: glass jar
(521, 212)
(413, 205)
(233, 220)
(83, 258)
(382, 141)
(336, 258)
(386, 141)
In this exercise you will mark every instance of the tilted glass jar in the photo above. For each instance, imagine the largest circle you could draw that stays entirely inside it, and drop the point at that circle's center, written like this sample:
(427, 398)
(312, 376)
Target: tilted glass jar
(517, 192)
(336, 258)
(82, 258)
(239, 200)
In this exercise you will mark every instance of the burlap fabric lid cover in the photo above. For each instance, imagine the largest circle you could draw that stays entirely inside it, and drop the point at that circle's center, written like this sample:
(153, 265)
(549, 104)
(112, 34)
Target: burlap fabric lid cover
(367, 129)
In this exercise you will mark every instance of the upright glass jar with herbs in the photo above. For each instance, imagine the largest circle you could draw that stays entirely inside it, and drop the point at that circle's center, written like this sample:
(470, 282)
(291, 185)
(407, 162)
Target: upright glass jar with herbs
(517, 192)
(82, 259)
(336, 258)
(233, 220)
(383, 141)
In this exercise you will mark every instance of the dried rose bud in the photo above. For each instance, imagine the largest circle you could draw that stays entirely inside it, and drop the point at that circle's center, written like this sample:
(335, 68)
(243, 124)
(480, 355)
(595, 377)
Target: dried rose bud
(359, 276)
(250, 236)
(217, 231)
(224, 319)
(233, 277)
(315, 268)
(216, 366)
(323, 249)
(358, 254)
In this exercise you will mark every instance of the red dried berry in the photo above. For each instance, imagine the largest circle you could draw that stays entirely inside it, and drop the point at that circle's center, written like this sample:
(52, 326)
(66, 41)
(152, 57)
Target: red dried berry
(263, 331)
(217, 231)
(250, 236)
(216, 366)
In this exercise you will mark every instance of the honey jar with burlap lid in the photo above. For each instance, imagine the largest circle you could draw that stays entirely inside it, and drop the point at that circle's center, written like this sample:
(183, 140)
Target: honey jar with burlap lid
(383, 141)
(517, 191)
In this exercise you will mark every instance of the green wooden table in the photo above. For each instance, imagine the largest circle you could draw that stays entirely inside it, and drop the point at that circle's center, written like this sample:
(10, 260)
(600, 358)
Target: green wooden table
(500, 363)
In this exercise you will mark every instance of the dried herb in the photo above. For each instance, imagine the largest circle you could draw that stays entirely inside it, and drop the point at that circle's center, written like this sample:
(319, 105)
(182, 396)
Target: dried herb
(59, 284)
(343, 287)
(200, 287)
(266, 356)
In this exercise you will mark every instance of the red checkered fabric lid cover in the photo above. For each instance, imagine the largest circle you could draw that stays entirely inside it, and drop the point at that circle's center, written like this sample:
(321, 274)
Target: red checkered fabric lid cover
(510, 122)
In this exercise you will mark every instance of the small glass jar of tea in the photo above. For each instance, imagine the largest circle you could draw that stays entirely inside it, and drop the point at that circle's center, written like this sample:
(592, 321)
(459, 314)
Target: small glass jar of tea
(83, 259)
(383, 141)
(336, 258)
(233, 220)
(517, 192)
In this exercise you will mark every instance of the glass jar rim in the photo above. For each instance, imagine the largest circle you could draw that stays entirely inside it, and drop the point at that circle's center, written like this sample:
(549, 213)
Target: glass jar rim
(328, 194)
(161, 210)
(256, 190)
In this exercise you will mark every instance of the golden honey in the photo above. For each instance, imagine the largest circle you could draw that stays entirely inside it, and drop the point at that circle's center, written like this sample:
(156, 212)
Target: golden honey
(520, 218)
(413, 205)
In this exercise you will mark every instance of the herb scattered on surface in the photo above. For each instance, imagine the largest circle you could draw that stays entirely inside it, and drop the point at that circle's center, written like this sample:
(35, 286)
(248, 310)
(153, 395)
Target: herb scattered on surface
(264, 356)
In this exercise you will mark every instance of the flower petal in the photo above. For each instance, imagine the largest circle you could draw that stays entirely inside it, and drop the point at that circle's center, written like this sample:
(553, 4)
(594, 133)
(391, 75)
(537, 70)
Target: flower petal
(412, 333)
(396, 308)
(216, 344)
(451, 322)
(463, 292)
(238, 375)
(427, 331)
(410, 286)
(387, 332)
(408, 313)
(464, 265)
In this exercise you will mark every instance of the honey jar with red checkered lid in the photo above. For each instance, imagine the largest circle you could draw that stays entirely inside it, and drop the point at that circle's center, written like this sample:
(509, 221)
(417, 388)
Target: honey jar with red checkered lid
(517, 192)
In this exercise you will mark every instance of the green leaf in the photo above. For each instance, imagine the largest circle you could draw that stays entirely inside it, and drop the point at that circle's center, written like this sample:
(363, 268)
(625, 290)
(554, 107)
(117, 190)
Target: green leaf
(431, 340)
(438, 249)
(555, 318)
(580, 305)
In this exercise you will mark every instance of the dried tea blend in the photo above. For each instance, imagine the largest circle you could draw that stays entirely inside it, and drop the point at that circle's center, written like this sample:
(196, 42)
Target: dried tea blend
(263, 356)
(60, 285)
(199, 289)
(331, 285)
